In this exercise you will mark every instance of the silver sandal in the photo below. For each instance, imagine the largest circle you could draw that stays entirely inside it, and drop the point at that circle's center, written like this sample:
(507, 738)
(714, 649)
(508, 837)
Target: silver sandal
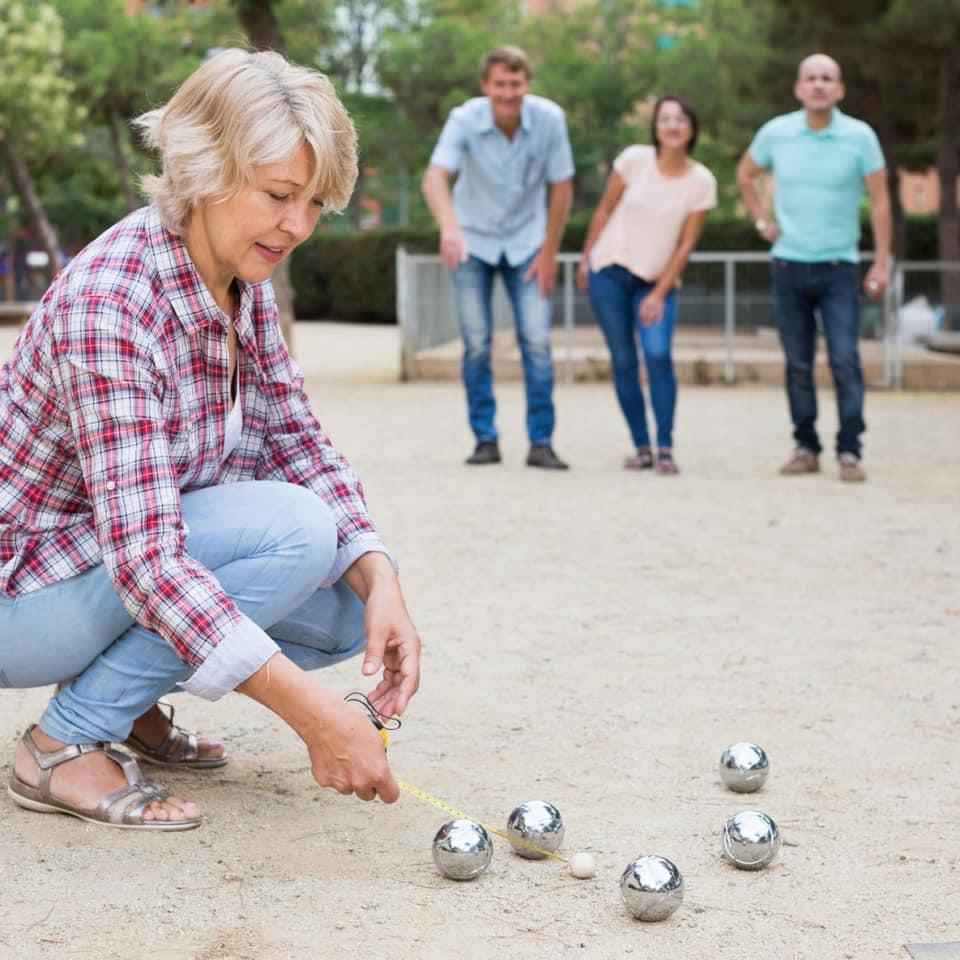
(122, 808)
(180, 748)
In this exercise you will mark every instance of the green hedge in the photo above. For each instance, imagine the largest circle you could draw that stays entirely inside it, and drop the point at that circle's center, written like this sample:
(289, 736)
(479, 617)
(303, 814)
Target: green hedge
(351, 276)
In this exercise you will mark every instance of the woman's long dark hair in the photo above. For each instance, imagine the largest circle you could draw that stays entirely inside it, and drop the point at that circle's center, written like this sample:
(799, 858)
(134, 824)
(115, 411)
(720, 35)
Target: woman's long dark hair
(688, 112)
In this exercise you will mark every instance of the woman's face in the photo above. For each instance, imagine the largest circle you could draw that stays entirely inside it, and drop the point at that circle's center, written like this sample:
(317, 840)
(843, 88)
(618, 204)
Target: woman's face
(674, 129)
(249, 233)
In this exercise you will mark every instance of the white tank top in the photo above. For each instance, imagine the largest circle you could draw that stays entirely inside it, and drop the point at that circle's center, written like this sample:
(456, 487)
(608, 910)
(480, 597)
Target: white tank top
(234, 425)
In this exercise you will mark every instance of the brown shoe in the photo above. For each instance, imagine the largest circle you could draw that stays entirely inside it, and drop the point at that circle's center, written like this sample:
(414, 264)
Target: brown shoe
(802, 461)
(850, 469)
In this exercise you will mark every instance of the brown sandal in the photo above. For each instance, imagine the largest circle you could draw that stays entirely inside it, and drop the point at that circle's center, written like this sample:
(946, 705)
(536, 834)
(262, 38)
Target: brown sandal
(180, 748)
(641, 460)
(666, 466)
(122, 808)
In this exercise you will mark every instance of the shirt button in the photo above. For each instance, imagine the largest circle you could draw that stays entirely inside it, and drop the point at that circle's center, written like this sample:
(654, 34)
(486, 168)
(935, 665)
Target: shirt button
(111, 485)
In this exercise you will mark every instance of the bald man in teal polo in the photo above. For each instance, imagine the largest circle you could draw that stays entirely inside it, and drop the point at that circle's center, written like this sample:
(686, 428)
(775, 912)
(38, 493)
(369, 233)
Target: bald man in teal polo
(822, 161)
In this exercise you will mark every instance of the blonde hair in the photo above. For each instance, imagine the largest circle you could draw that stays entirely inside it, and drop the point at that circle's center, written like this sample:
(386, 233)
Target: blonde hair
(242, 110)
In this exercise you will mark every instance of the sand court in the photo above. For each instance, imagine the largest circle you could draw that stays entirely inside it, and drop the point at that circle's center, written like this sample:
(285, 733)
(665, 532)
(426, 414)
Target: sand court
(594, 639)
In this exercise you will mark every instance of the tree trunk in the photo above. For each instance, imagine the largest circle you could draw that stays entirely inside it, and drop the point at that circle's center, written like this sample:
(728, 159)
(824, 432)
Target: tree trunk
(120, 161)
(948, 167)
(260, 22)
(886, 132)
(23, 183)
(263, 31)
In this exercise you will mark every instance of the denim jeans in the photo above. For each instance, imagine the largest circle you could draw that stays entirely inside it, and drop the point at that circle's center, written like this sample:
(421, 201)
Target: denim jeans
(616, 295)
(473, 288)
(800, 289)
(270, 545)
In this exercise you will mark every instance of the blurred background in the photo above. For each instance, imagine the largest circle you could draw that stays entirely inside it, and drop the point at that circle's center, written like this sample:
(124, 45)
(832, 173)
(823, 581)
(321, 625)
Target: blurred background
(74, 72)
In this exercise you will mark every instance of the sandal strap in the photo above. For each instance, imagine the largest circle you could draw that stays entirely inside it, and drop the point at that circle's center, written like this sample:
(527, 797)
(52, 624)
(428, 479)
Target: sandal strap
(178, 746)
(125, 805)
(47, 762)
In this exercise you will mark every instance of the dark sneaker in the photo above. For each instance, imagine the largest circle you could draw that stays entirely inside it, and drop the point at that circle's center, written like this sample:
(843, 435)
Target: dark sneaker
(486, 452)
(543, 456)
(850, 469)
(802, 461)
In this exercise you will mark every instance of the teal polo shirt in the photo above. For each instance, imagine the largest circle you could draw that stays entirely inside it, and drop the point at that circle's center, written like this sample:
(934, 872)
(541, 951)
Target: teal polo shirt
(818, 182)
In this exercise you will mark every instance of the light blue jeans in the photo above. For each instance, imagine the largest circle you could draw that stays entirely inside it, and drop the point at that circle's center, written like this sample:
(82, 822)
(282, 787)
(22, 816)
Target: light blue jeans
(270, 544)
(473, 288)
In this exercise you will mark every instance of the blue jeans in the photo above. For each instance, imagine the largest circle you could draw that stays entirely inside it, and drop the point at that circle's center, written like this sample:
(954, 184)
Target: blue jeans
(831, 288)
(473, 288)
(270, 545)
(616, 295)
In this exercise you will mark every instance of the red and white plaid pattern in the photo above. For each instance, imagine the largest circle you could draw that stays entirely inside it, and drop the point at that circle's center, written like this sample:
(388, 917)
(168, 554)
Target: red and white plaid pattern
(114, 401)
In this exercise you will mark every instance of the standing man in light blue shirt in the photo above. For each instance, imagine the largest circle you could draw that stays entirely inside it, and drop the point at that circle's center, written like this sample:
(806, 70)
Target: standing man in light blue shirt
(505, 149)
(821, 160)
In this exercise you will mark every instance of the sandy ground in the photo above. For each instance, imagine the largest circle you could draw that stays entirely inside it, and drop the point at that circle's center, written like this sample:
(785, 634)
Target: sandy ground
(594, 639)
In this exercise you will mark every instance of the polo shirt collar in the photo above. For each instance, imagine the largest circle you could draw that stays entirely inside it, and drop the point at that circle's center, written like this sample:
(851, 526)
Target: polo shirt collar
(829, 129)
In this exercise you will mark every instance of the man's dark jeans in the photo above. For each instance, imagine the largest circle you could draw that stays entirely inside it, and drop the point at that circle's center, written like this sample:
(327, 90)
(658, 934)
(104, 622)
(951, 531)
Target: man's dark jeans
(832, 289)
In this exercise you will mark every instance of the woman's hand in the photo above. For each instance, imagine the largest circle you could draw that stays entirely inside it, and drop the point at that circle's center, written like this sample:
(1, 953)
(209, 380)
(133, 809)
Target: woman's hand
(651, 309)
(393, 644)
(346, 752)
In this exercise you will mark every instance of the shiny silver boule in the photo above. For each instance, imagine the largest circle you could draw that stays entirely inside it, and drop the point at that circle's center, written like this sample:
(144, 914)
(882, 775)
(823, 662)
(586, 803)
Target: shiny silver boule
(462, 849)
(652, 888)
(750, 840)
(535, 827)
(744, 767)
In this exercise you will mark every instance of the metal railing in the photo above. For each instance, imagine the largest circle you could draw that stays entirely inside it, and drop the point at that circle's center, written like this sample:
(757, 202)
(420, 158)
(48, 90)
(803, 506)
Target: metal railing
(427, 315)
(898, 286)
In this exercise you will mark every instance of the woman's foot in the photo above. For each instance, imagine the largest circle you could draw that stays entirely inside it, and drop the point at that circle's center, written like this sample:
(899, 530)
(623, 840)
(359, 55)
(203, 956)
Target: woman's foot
(85, 781)
(153, 729)
(666, 466)
(641, 460)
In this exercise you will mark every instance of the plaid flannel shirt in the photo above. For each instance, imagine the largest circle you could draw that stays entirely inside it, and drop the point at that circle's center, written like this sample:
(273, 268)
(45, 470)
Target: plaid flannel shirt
(114, 402)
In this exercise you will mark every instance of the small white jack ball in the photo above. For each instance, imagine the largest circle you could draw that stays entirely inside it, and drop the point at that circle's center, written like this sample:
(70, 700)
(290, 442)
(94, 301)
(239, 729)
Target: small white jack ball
(582, 866)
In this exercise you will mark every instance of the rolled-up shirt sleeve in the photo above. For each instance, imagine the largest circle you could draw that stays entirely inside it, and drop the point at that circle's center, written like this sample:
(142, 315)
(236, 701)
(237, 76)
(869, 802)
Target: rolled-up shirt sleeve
(112, 390)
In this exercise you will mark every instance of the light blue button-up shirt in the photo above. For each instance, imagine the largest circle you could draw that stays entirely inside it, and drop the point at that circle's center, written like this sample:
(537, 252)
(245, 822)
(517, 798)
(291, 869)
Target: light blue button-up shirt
(500, 196)
(818, 182)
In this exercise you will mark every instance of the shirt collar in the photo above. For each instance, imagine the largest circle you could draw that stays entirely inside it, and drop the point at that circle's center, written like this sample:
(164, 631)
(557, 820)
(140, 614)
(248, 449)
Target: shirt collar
(189, 297)
(487, 123)
(829, 130)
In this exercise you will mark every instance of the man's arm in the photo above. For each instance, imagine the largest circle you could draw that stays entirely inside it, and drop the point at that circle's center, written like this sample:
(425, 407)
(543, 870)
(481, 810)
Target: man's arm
(436, 191)
(754, 199)
(544, 266)
(878, 276)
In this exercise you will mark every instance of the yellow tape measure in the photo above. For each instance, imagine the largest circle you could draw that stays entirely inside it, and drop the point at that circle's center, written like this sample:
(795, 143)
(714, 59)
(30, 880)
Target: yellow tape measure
(422, 795)
(413, 791)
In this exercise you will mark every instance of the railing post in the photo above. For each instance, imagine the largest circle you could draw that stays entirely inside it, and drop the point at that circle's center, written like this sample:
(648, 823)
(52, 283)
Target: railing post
(405, 320)
(897, 345)
(568, 318)
(729, 321)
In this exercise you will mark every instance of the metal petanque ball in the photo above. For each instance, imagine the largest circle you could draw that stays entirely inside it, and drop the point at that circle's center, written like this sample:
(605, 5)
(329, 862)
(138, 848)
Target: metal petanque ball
(744, 767)
(750, 840)
(462, 849)
(535, 827)
(652, 888)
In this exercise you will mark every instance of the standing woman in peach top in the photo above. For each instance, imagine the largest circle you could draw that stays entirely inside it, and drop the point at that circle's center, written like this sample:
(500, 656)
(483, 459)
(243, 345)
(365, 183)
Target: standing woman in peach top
(647, 223)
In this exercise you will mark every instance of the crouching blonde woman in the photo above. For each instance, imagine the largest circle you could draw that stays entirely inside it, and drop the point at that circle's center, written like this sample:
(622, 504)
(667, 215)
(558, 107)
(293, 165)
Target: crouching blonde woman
(171, 512)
